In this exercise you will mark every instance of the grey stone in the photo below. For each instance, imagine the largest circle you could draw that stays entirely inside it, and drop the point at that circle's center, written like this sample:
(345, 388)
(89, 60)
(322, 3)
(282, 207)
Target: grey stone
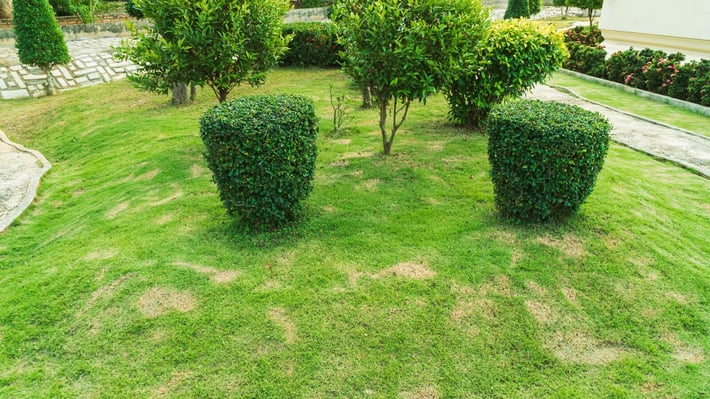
(13, 94)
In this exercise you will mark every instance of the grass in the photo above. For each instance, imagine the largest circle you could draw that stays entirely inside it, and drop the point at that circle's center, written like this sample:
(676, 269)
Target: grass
(629, 102)
(126, 278)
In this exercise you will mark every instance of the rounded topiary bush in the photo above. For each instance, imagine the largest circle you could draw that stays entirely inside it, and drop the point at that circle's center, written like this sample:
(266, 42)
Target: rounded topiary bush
(545, 157)
(262, 153)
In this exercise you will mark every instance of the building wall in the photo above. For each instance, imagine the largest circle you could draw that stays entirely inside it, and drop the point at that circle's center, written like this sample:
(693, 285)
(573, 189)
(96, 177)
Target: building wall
(681, 25)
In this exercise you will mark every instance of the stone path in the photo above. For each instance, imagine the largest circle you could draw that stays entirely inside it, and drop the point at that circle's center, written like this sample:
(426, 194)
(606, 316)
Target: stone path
(653, 138)
(20, 171)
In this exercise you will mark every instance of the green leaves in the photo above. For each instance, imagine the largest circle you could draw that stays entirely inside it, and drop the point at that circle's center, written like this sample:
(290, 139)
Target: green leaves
(217, 43)
(39, 40)
(262, 154)
(545, 158)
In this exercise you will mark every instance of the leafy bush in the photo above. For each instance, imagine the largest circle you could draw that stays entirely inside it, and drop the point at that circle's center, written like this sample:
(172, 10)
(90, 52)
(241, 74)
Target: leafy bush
(698, 82)
(313, 3)
(132, 10)
(313, 44)
(545, 158)
(589, 60)
(515, 56)
(262, 153)
(646, 69)
(584, 35)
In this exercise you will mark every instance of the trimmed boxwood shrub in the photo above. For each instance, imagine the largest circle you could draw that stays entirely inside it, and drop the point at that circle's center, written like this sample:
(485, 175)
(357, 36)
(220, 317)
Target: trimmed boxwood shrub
(262, 153)
(545, 157)
(313, 44)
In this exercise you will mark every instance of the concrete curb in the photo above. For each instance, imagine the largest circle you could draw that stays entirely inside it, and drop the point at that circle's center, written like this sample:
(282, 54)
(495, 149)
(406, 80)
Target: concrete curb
(688, 106)
(31, 190)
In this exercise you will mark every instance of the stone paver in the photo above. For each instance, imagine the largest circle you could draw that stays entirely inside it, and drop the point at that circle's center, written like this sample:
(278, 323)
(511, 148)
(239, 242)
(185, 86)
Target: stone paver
(677, 145)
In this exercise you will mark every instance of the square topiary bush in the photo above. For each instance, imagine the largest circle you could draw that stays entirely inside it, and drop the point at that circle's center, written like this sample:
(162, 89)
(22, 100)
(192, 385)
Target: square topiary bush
(262, 153)
(545, 157)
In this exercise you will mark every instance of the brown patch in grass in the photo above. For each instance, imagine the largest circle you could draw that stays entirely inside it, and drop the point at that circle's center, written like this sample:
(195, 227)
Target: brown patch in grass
(537, 289)
(369, 185)
(164, 219)
(147, 176)
(329, 209)
(358, 154)
(570, 295)
(158, 301)
(271, 285)
(468, 307)
(678, 297)
(649, 387)
(356, 173)
(436, 146)
(217, 276)
(78, 192)
(542, 312)
(682, 351)
(570, 245)
(197, 170)
(279, 317)
(500, 286)
(417, 271)
(101, 254)
(177, 378)
(421, 393)
(578, 347)
(339, 163)
(432, 201)
(611, 242)
(164, 201)
(106, 291)
(118, 209)
(505, 237)
(342, 141)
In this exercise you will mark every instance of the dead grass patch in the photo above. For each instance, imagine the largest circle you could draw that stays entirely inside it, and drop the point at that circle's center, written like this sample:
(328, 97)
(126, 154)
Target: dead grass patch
(340, 163)
(570, 295)
(197, 170)
(164, 219)
(422, 393)
(147, 176)
(577, 347)
(279, 317)
(177, 378)
(329, 209)
(678, 297)
(171, 198)
(217, 276)
(342, 141)
(101, 254)
(570, 245)
(117, 209)
(358, 154)
(369, 185)
(682, 351)
(106, 291)
(542, 312)
(499, 286)
(467, 308)
(158, 301)
(537, 289)
(417, 271)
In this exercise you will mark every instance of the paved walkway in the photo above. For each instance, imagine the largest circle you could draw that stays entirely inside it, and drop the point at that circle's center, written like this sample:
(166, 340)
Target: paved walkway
(21, 169)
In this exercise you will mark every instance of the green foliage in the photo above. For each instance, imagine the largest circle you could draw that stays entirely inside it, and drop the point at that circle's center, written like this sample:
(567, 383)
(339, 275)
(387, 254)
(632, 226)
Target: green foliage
(589, 5)
(692, 82)
(132, 10)
(312, 44)
(217, 43)
(514, 57)
(586, 54)
(517, 9)
(534, 6)
(262, 153)
(545, 158)
(85, 9)
(39, 40)
(588, 36)
(313, 3)
(405, 50)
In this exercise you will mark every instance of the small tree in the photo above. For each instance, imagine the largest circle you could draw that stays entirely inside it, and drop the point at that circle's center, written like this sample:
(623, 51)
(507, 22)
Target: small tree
(517, 9)
(217, 43)
(589, 5)
(564, 6)
(38, 39)
(405, 50)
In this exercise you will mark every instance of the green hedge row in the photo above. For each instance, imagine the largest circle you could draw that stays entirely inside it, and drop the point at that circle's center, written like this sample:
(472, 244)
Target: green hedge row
(652, 70)
(313, 44)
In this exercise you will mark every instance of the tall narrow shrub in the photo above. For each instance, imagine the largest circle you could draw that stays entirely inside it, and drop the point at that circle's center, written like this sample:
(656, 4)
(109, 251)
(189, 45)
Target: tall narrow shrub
(38, 39)
(517, 9)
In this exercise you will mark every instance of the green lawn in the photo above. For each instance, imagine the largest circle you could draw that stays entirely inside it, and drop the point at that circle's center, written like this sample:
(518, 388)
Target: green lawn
(126, 279)
(619, 99)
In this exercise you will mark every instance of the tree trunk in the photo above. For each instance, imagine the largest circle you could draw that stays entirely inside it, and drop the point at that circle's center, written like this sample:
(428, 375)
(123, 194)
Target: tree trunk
(180, 93)
(386, 144)
(5, 9)
(50, 84)
(193, 93)
(366, 97)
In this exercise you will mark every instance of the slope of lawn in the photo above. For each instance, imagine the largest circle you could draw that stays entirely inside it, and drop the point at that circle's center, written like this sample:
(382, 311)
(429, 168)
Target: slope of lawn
(126, 279)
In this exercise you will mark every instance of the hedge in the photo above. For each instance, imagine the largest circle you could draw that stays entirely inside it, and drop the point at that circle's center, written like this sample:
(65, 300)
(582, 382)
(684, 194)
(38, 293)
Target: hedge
(313, 44)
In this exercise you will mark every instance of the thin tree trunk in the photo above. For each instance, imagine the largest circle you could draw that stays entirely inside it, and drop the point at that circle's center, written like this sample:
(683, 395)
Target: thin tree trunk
(386, 145)
(180, 93)
(193, 93)
(50, 84)
(366, 97)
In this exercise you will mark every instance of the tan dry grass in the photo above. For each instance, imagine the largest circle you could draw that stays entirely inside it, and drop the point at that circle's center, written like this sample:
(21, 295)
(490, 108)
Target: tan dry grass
(160, 300)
